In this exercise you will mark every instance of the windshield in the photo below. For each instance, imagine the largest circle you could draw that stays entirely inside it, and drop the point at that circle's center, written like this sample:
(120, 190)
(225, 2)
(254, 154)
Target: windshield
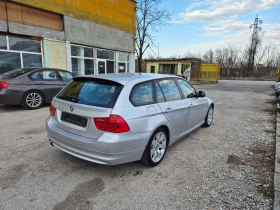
(94, 92)
(14, 73)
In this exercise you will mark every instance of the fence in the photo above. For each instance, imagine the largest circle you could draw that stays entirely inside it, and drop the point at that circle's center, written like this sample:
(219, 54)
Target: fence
(209, 72)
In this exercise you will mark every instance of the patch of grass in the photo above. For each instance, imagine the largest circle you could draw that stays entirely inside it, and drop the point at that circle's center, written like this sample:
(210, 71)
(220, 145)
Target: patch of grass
(267, 192)
(261, 158)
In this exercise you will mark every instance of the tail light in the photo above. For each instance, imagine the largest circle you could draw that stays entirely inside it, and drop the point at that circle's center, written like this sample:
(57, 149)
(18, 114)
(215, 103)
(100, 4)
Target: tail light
(52, 110)
(4, 84)
(113, 124)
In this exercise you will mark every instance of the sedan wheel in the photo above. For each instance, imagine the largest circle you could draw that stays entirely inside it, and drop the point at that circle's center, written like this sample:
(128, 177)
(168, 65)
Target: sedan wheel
(209, 117)
(33, 100)
(156, 148)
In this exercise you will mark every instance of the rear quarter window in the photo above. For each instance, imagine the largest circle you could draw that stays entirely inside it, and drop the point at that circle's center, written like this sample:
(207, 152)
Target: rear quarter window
(100, 93)
(142, 94)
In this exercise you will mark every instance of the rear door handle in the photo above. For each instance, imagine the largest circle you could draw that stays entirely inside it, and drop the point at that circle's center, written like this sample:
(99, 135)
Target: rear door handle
(168, 110)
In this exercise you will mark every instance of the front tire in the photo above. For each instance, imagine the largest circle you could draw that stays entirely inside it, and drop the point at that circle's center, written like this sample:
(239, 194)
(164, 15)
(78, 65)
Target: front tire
(156, 148)
(209, 117)
(32, 100)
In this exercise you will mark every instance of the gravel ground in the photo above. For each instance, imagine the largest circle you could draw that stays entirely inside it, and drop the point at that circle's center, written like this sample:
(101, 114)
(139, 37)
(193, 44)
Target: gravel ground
(226, 166)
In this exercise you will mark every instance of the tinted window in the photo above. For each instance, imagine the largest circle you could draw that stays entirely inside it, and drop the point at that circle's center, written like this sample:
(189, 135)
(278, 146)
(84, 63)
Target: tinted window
(14, 73)
(49, 75)
(22, 44)
(31, 60)
(143, 94)
(188, 90)
(9, 61)
(170, 90)
(3, 43)
(160, 97)
(66, 76)
(93, 92)
(37, 76)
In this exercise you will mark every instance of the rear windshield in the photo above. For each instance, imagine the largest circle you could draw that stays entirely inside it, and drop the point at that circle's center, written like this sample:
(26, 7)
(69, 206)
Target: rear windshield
(14, 73)
(96, 92)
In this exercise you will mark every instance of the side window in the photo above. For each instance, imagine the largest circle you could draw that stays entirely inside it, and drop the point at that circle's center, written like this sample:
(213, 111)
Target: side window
(143, 94)
(37, 76)
(65, 76)
(49, 75)
(160, 96)
(188, 90)
(170, 90)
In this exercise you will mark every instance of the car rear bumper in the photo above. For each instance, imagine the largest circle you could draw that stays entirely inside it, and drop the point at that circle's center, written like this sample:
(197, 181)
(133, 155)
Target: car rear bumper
(10, 97)
(109, 149)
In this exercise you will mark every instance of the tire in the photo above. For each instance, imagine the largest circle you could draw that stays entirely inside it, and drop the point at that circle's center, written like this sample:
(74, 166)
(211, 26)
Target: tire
(32, 100)
(158, 141)
(209, 117)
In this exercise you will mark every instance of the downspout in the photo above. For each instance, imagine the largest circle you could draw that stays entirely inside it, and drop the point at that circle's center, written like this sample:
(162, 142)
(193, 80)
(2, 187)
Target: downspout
(7, 18)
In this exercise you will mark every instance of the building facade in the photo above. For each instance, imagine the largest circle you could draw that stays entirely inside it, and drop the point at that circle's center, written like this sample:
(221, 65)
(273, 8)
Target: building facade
(81, 36)
(198, 71)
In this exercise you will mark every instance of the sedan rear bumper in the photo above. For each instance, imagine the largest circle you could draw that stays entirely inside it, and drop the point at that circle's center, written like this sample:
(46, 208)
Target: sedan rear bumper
(109, 149)
(10, 97)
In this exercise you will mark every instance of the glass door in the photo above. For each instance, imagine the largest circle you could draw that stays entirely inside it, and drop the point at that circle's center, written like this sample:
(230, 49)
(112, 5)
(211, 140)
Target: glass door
(101, 66)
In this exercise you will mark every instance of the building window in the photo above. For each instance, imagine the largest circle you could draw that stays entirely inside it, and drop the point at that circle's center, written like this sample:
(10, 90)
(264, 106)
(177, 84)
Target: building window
(168, 68)
(17, 52)
(82, 60)
(122, 62)
(105, 61)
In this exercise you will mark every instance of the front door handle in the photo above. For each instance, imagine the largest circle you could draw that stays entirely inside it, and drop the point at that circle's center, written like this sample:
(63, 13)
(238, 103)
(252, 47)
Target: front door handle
(168, 110)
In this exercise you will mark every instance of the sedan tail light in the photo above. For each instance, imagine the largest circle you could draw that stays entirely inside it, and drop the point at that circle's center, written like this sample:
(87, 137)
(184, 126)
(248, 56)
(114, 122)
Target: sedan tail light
(4, 84)
(113, 124)
(52, 110)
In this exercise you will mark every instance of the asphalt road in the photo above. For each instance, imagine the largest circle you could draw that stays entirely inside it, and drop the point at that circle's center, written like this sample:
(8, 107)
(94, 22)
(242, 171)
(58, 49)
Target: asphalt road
(195, 173)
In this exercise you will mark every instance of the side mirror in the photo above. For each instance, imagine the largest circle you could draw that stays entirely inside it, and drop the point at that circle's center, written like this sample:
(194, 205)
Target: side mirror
(201, 94)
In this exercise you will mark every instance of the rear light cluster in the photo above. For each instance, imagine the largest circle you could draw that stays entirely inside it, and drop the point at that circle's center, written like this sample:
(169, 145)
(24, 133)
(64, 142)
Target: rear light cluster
(52, 110)
(113, 124)
(4, 84)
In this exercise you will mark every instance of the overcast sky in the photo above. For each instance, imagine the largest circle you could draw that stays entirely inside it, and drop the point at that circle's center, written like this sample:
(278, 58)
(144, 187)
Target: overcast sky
(198, 25)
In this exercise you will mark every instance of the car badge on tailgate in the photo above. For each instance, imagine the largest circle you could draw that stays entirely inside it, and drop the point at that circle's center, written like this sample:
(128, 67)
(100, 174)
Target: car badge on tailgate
(71, 108)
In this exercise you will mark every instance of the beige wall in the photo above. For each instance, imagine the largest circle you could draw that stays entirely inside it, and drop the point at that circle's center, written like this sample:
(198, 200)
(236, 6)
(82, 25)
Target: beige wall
(156, 64)
(55, 54)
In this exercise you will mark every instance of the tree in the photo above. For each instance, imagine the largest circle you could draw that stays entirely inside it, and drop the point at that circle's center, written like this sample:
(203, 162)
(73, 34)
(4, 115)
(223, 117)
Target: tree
(208, 57)
(149, 18)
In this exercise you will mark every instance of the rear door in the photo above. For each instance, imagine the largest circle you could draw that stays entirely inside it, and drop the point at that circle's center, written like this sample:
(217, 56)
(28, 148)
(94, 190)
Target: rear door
(81, 101)
(48, 81)
(65, 77)
(172, 105)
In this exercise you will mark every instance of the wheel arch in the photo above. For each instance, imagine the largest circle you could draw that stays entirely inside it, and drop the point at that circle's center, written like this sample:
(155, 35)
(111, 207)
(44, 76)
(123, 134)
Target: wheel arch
(44, 97)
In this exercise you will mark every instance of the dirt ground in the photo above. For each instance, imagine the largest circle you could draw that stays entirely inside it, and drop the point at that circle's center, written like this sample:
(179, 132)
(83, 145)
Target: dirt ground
(226, 166)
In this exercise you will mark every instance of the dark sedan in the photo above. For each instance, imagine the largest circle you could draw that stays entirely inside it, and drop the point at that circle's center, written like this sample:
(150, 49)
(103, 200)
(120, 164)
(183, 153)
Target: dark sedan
(32, 87)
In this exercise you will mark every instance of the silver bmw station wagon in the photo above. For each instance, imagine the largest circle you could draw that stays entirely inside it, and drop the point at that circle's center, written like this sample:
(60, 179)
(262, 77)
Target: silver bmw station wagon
(119, 118)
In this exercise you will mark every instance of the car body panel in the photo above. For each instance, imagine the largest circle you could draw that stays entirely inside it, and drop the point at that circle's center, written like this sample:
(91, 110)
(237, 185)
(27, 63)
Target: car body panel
(104, 147)
(20, 85)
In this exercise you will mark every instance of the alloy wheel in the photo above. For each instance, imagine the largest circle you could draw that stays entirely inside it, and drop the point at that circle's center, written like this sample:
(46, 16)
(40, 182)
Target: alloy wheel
(158, 147)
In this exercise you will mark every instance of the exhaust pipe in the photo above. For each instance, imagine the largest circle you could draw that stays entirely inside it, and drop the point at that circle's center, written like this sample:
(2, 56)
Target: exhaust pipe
(51, 142)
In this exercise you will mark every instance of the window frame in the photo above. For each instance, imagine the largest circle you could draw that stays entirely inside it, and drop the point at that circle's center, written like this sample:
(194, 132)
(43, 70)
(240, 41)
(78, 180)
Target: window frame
(64, 71)
(153, 92)
(46, 69)
(177, 85)
(176, 80)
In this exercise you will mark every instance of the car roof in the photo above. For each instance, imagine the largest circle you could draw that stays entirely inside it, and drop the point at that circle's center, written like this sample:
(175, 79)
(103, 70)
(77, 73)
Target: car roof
(124, 78)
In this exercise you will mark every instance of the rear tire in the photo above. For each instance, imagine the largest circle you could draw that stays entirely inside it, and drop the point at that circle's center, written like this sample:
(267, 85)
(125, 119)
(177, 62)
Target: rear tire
(209, 117)
(32, 100)
(156, 148)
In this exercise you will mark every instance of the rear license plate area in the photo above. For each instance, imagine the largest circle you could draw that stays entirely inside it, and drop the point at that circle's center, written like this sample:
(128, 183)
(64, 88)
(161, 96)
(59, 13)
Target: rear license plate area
(74, 119)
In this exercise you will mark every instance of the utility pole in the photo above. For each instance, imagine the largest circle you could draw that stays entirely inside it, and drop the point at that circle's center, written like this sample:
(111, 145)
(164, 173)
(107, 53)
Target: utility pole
(255, 40)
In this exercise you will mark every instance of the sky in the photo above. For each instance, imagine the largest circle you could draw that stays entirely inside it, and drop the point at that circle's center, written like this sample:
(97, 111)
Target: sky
(199, 25)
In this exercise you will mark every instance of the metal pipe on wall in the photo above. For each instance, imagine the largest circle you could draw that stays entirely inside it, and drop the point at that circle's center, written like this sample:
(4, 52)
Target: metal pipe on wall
(7, 18)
